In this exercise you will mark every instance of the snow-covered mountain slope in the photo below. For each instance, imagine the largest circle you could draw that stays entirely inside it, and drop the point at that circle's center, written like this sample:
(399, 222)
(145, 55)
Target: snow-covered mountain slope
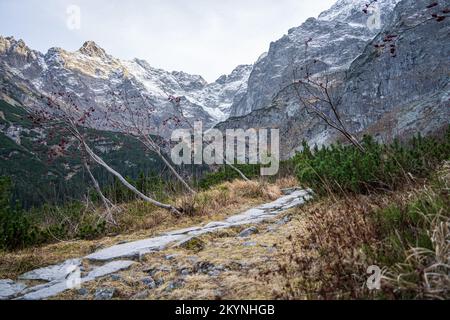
(218, 97)
(338, 46)
(334, 40)
(91, 75)
(391, 82)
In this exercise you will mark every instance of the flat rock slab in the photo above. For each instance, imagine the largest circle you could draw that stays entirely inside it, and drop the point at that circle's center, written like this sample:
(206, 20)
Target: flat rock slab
(60, 277)
(44, 292)
(134, 249)
(289, 191)
(56, 287)
(107, 269)
(52, 273)
(252, 216)
(9, 289)
(181, 231)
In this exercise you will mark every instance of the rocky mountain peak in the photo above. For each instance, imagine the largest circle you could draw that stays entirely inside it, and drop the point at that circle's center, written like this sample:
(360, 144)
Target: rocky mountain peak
(16, 52)
(351, 11)
(92, 74)
(4, 44)
(18, 46)
(90, 48)
(189, 81)
(239, 73)
(386, 88)
(334, 39)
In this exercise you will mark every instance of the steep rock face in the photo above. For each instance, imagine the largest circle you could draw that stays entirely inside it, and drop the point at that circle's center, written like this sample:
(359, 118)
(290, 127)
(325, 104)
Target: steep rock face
(400, 85)
(389, 92)
(389, 88)
(90, 48)
(218, 97)
(91, 76)
(335, 39)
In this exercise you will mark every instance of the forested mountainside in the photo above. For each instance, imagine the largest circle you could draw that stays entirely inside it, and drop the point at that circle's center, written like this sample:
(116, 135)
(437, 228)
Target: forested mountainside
(43, 172)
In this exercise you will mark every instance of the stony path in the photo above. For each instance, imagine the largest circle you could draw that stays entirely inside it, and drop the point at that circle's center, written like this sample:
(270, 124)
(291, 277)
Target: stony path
(62, 277)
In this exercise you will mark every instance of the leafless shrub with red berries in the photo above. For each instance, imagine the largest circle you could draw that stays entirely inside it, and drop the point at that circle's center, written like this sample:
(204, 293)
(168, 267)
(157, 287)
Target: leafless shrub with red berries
(369, 5)
(134, 115)
(65, 118)
(177, 103)
(317, 96)
(432, 12)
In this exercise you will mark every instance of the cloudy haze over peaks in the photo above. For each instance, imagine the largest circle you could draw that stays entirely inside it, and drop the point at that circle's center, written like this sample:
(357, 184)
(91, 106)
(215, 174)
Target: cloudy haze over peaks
(206, 37)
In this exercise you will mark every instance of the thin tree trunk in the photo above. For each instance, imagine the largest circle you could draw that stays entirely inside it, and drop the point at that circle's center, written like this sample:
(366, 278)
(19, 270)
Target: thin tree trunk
(225, 160)
(353, 140)
(100, 161)
(340, 127)
(153, 147)
(106, 202)
(243, 176)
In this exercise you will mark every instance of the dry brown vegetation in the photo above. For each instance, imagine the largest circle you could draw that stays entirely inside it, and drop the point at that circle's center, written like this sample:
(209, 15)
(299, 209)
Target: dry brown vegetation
(322, 253)
(138, 220)
(425, 273)
(405, 232)
(325, 259)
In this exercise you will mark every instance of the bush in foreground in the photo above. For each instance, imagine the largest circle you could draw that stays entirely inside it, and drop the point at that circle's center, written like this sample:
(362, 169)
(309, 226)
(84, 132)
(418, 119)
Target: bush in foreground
(405, 233)
(16, 227)
(342, 169)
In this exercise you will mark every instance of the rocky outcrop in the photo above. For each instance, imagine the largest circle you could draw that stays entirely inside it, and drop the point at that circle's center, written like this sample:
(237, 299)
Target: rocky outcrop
(91, 49)
(400, 85)
(334, 39)
(91, 76)
(391, 76)
(392, 83)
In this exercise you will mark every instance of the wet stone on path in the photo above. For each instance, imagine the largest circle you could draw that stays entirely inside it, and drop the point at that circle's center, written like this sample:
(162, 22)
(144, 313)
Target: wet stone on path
(57, 276)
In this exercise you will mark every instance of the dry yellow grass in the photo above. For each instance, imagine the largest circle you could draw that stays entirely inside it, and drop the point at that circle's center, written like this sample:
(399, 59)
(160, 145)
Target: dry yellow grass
(241, 278)
(425, 273)
(138, 220)
(287, 182)
(317, 255)
(339, 239)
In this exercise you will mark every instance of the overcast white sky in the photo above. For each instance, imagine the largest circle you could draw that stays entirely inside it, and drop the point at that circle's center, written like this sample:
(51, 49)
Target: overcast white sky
(206, 37)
